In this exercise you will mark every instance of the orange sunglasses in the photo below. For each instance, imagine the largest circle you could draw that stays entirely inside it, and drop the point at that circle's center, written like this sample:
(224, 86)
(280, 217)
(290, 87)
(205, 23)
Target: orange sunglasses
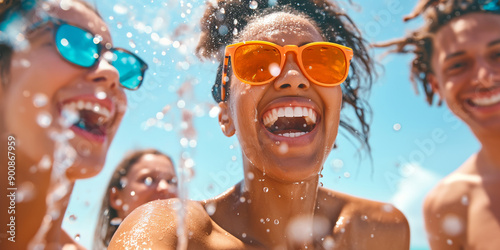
(259, 62)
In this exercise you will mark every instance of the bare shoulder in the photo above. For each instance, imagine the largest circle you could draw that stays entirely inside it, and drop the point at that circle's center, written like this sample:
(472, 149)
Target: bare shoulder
(453, 190)
(369, 224)
(446, 208)
(154, 225)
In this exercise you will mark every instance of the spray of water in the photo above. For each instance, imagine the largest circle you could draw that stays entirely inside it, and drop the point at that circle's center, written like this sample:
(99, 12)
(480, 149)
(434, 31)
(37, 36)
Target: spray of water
(64, 156)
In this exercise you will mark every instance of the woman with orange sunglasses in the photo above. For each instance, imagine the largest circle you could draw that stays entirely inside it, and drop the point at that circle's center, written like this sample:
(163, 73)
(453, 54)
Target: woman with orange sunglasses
(279, 90)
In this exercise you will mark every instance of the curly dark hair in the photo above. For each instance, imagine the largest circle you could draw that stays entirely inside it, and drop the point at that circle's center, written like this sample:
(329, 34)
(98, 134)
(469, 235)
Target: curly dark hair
(333, 23)
(436, 14)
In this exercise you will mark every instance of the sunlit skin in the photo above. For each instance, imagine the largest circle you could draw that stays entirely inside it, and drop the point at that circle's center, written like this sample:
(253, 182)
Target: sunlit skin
(40, 70)
(151, 178)
(280, 187)
(463, 211)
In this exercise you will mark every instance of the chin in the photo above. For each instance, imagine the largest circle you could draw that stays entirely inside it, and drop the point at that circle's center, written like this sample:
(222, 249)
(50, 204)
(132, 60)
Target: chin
(85, 167)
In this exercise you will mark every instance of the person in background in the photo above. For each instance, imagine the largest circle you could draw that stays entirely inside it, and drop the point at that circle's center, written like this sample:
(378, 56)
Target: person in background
(142, 176)
(61, 101)
(281, 85)
(457, 61)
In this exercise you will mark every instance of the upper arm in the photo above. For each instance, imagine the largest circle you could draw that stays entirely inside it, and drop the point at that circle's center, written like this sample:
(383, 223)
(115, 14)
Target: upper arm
(152, 225)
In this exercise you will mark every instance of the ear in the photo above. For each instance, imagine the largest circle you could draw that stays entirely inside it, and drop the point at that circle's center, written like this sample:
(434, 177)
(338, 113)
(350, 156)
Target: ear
(225, 120)
(431, 78)
(114, 199)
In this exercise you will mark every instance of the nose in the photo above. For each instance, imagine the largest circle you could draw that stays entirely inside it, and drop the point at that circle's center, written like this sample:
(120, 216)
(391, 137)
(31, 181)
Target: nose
(162, 185)
(486, 73)
(104, 73)
(291, 77)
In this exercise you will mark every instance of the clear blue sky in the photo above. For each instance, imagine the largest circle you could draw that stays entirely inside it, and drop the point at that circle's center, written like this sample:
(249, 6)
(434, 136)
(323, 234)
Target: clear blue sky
(413, 145)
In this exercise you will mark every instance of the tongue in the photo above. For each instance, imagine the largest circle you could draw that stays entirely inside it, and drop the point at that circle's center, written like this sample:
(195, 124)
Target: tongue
(290, 125)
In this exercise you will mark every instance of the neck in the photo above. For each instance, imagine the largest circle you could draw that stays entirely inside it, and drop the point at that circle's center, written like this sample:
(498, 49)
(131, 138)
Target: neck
(272, 205)
(488, 156)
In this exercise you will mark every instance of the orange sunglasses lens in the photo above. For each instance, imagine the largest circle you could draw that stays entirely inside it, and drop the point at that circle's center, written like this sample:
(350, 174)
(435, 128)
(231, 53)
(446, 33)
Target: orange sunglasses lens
(256, 63)
(325, 64)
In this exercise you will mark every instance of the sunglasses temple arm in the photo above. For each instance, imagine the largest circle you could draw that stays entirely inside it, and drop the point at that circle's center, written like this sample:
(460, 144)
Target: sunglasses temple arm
(224, 77)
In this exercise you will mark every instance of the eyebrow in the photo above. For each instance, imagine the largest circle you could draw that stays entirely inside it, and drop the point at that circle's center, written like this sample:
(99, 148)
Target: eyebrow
(459, 53)
(494, 43)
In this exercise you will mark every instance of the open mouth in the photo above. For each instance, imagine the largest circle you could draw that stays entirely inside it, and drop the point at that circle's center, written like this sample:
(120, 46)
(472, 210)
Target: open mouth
(290, 121)
(92, 117)
(485, 101)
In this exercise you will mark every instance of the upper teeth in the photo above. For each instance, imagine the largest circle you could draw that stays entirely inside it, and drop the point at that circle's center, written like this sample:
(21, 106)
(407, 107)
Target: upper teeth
(91, 106)
(272, 115)
(486, 101)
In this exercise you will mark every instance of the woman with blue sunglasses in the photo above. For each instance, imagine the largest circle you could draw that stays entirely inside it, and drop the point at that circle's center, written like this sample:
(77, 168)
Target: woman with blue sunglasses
(60, 77)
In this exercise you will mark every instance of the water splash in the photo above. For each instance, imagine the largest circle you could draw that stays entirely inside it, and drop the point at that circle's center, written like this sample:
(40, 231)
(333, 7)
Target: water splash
(64, 157)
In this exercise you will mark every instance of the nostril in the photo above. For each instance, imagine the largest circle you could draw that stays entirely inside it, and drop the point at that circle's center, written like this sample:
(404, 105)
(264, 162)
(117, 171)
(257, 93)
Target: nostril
(302, 86)
(99, 79)
(284, 86)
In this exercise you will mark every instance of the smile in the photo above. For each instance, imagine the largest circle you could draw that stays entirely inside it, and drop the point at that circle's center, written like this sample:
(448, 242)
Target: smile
(486, 101)
(290, 121)
(94, 117)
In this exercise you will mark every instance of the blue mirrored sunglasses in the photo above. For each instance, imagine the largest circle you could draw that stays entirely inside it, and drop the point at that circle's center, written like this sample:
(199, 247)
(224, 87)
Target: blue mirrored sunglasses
(82, 48)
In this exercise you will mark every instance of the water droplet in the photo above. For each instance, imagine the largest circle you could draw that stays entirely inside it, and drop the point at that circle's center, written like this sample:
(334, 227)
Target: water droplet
(132, 193)
(347, 174)
(160, 115)
(44, 119)
(123, 181)
(267, 230)
(387, 208)
(223, 30)
(328, 243)
(45, 163)
(243, 235)
(131, 44)
(274, 69)
(396, 127)
(115, 221)
(25, 63)
(242, 199)
(193, 143)
(372, 235)
(254, 5)
(25, 192)
(276, 222)
(337, 164)
(100, 94)
(77, 237)
(465, 200)
(262, 220)
(148, 181)
(452, 225)
(119, 202)
(72, 217)
(449, 242)
(181, 104)
(65, 4)
(69, 116)
(250, 176)
(125, 207)
(364, 217)
(265, 189)
(120, 9)
(210, 208)
(39, 100)
(283, 148)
